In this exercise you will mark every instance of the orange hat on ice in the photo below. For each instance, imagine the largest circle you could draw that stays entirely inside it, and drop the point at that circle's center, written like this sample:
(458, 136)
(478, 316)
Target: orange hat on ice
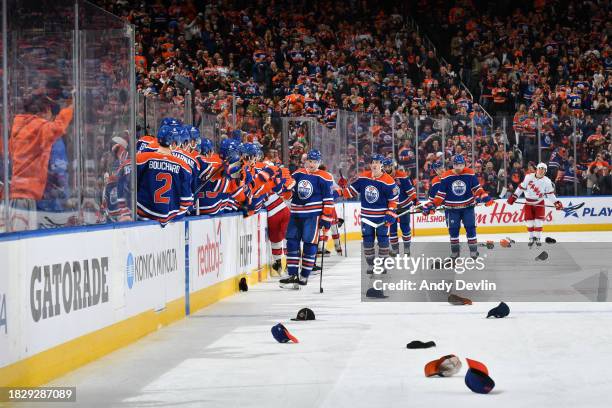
(444, 366)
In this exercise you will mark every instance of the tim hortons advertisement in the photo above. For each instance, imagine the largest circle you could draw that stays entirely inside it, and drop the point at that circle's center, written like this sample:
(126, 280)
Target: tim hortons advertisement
(594, 210)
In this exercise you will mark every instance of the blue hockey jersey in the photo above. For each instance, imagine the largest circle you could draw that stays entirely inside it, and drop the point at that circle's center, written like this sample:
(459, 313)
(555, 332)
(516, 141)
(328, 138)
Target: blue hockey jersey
(378, 195)
(164, 186)
(312, 194)
(193, 164)
(407, 193)
(434, 187)
(458, 190)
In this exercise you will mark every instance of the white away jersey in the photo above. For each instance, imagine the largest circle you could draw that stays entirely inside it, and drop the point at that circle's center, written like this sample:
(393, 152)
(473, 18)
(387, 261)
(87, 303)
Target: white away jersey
(536, 189)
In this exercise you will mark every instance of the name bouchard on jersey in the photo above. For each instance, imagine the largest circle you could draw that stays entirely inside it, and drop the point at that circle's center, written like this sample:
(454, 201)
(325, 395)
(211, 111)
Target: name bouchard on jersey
(164, 165)
(67, 287)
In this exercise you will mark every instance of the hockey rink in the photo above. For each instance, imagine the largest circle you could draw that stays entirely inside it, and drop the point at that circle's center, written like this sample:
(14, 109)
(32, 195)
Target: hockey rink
(354, 354)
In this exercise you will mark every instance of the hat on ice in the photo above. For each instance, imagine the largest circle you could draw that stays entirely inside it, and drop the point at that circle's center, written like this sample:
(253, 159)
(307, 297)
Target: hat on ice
(282, 335)
(443, 367)
(418, 344)
(242, 285)
(477, 377)
(375, 293)
(501, 310)
(305, 314)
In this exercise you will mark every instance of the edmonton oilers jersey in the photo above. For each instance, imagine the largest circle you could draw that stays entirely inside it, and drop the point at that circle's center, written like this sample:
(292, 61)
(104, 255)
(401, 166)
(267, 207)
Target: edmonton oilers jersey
(312, 193)
(434, 187)
(164, 186)
(458, 190)
(407, 193)
(377, 195)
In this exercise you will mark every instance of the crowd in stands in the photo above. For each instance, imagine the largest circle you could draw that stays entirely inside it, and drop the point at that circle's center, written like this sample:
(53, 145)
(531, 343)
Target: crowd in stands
(545, 65)
(519, 83)
(544, 68)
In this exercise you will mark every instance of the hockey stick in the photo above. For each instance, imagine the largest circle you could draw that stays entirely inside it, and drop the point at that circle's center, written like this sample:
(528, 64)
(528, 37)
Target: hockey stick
(372, 223)
(323, 241)
(344, 218)
(201, 186)
(570, 208)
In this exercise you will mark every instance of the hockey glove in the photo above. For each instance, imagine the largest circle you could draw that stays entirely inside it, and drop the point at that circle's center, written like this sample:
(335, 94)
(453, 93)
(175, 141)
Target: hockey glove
(342, 183)
(487, 200)
(558, 205)
(429, 208)
(340, 222)
(325, 223)
(390, 218)
(512, 199)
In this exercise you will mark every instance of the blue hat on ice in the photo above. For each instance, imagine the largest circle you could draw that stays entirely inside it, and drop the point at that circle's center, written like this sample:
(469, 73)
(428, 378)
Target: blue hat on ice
(477, 377)
(501, 310)
(282, 335)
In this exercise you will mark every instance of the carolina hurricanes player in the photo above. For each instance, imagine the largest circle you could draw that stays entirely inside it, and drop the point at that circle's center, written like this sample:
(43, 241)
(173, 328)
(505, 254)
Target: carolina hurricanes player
(536, 187)
(274, 185)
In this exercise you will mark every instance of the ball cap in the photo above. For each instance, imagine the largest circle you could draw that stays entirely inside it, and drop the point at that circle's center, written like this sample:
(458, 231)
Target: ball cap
(444, 366)
(501, 310)
(477, 377)
(305, 314)
(282, 335)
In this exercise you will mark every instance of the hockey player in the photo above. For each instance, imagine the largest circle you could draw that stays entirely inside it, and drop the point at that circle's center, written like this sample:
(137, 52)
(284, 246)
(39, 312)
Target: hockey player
(213, 189)
(378, 194)
(194, 139)
(336, 223)
(273, 184)
(459, 189)
(537, 188)
(407, 198)
(164, 183)
(182, 137)
(311, 210)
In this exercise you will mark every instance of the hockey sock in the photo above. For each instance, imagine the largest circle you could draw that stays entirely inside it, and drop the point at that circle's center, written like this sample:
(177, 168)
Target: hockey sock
(309, 254)
(383, 250)
(336, 237)
(407, 238)
(277, 250)
(454, 246)
(369, 252)
(472, 241)
(293, 257)
(537, 229)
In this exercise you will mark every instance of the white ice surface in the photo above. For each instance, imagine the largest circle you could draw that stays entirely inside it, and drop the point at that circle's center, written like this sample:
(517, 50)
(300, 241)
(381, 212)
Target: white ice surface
(354, 354)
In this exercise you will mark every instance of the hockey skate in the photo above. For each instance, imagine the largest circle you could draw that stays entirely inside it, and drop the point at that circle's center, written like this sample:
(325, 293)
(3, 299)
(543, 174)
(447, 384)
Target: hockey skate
(532, 241)
(293, 282)
(538, 242)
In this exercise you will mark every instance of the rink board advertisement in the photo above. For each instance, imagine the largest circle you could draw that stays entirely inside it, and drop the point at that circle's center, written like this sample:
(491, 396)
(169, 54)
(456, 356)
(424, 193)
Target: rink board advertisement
(225, 247)
(501, 217)
(65, 286)
(153, 267)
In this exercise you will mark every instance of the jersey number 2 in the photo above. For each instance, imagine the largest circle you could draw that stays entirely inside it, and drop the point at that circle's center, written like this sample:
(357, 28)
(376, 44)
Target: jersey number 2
(159, 193)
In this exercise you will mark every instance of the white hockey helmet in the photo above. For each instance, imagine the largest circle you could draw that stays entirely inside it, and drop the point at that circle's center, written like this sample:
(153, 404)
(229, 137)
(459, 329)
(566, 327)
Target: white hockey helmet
(542, 166)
